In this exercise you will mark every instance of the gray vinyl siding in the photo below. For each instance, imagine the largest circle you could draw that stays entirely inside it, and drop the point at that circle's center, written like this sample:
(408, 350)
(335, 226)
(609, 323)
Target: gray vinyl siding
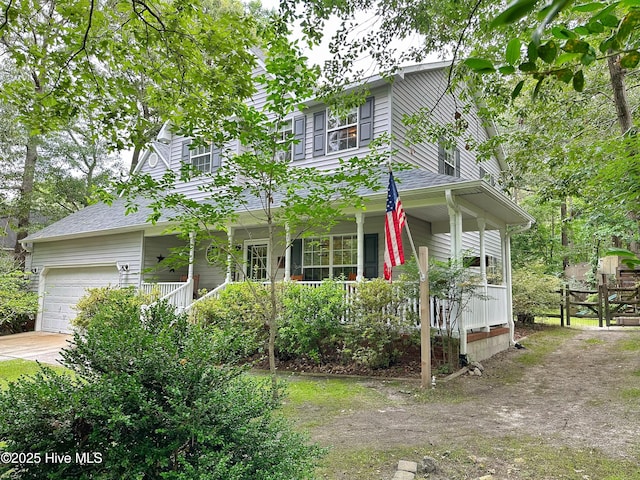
(380, 125)
(440, 244)
(102, 250)
(154, 247)
(423, 90)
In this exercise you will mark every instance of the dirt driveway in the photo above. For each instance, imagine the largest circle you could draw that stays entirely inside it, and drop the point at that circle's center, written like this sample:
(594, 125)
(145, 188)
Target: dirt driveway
(583, 395)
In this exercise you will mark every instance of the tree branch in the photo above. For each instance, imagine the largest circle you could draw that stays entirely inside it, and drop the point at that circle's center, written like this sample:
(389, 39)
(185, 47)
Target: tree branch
(4, 24)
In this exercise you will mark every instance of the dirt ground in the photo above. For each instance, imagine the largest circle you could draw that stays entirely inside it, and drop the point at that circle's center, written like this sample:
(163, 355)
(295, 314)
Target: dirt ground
(575, 398)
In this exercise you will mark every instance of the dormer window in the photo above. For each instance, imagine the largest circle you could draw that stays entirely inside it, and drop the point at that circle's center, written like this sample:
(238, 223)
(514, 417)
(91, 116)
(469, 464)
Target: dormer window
(342, 131)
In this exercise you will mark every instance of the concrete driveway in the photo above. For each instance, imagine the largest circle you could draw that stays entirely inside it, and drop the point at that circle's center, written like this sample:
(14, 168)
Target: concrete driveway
(42, 346)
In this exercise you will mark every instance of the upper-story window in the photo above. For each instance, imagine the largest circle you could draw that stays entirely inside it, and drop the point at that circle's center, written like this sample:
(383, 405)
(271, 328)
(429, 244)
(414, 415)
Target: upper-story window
(448, 159)
(487, 177)
(284, 134)
(201, 158)
(335, 133)
(342, 131)
(204, 158)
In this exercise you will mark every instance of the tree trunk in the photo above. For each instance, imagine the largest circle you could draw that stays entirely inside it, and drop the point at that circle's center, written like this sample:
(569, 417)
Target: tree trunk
(26, 194)
(135, 158)
(273, 312)
(616, 72)
(564, 234)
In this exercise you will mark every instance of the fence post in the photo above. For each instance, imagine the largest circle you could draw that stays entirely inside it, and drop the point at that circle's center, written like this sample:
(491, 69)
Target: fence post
(563, 296)
(425, 320)
(607, 310)
(567, 305)
(600, 300)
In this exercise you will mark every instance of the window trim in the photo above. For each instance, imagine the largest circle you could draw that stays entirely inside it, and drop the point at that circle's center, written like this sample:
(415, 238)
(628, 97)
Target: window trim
(347, 126)
(283, 135)
(245, 266)
(331, 266)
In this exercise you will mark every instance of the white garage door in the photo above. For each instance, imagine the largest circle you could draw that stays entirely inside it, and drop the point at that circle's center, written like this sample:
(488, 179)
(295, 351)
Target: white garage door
(64, 287)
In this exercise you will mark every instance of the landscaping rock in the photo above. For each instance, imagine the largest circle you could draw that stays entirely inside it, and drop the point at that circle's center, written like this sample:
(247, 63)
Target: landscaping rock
(407, 466)
(402, 475)
(477, 365)
(428, 465)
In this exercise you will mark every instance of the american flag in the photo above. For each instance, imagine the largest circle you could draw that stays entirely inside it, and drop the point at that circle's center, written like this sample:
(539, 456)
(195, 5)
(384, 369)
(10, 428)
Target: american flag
(393, 224)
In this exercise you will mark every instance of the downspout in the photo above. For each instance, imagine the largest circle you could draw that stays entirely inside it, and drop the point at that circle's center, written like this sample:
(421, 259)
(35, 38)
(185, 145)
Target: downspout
(192, 250)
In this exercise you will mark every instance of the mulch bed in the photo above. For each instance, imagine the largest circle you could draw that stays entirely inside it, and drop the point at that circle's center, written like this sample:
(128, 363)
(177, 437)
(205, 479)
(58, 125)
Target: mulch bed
(408, 365)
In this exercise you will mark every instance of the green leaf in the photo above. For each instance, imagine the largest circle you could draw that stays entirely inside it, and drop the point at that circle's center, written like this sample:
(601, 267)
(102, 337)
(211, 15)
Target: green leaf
(610, 43)
(532, 51)
(610, 21)
(517, 90)
(567, 58)
(589, 7)
(480, 65)
(528, 67)
(564, 75)
(575, 46)
(514, 11)
(628, 24)
(619, 252)
(536, 90)
(594, 27)
(562, 33)
(554, 9)
(513, 51)
(604, 12)
(506, 69)
(630, 60)
(548, 51)
(589, 57)
(582, 30)
(578, 81)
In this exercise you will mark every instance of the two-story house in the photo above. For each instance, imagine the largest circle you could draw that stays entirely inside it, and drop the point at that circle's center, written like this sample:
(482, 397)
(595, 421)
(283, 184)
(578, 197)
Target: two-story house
(452, 204)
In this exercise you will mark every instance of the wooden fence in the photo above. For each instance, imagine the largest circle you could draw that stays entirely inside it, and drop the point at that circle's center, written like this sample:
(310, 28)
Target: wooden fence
(610, 305)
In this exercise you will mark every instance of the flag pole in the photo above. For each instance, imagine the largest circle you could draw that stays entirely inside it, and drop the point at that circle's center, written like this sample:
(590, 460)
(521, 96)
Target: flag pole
(423, 274)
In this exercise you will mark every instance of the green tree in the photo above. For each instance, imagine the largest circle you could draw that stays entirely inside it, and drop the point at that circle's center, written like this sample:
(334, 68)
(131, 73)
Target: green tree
(123, 65)
(291, 198)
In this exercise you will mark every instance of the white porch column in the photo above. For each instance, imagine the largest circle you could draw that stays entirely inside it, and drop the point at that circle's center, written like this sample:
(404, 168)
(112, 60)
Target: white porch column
(506, 272)
(360, 226)
(455, 226)
(230, 260)
(455, 231)
(483, 256)
(287, 254)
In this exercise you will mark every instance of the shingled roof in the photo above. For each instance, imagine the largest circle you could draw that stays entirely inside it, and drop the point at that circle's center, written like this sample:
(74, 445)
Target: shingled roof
(102, 218)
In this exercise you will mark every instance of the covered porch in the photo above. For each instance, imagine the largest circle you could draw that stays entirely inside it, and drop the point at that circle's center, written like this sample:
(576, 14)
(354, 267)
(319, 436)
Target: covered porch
(455, 219)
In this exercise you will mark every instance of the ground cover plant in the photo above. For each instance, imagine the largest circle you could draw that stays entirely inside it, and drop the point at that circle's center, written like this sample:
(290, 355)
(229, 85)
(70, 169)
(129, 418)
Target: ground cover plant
(153, 400)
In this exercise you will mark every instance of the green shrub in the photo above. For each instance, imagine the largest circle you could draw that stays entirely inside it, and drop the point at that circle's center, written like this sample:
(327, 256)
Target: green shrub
(103, 302)
(534, 292)
(310, 323)
(18, 306)
(375, 326)
(238, 318)
(150, 399)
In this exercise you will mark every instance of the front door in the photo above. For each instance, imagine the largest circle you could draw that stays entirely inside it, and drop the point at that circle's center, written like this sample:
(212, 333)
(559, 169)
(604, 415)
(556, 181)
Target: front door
(257, 257)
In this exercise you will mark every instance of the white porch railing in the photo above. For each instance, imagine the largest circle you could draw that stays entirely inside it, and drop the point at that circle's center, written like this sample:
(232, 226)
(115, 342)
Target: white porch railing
(161, 288)
(482, 312)
(212, 294)
(178, 294)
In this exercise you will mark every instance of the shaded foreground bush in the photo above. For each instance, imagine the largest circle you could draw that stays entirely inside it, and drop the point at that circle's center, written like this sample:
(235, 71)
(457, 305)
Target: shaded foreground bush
(149, 400)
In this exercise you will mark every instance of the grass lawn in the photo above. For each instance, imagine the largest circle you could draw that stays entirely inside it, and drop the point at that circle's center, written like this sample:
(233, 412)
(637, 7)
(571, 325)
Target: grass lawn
(317, 404)
(11, 370)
